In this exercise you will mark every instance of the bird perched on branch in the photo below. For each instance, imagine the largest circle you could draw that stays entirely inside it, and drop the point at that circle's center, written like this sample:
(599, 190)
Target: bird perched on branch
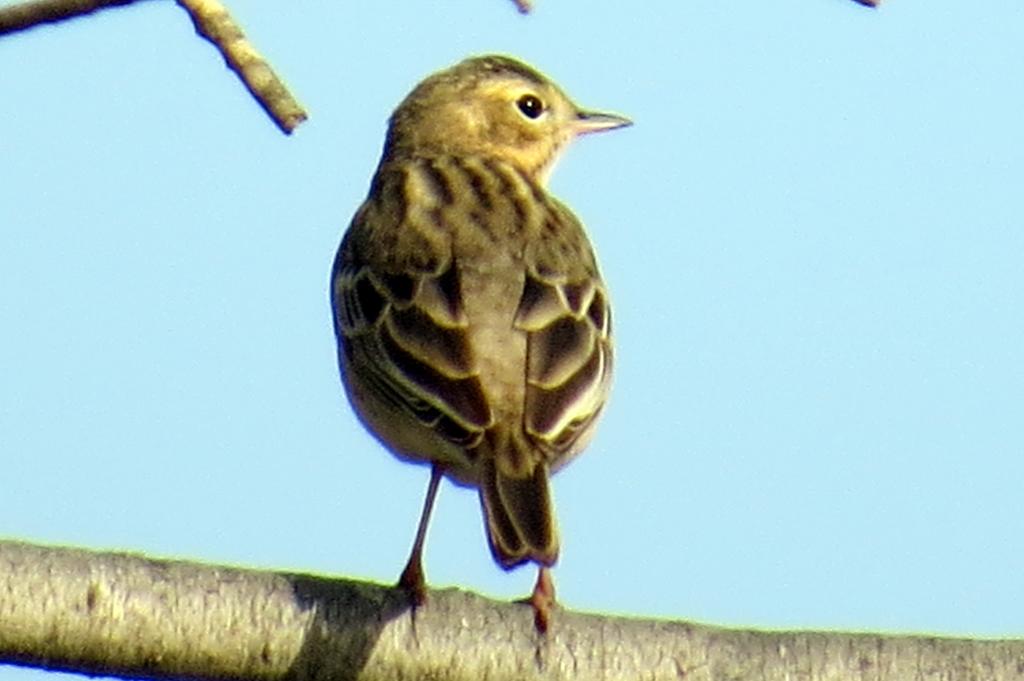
(473, 327)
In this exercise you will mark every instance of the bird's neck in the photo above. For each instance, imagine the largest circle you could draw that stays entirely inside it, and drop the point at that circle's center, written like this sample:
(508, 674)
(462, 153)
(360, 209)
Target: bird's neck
(536, 173)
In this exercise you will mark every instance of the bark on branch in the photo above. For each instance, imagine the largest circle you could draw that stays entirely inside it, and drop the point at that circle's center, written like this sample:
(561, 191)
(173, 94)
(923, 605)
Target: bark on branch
(131, 616)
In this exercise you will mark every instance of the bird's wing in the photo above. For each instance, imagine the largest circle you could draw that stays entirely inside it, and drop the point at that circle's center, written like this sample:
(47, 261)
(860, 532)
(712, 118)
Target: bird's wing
(565, 311)
(400, 321)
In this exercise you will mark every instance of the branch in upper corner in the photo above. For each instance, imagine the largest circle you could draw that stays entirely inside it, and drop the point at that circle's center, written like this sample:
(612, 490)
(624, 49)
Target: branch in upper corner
(213, 21)
(28, 14)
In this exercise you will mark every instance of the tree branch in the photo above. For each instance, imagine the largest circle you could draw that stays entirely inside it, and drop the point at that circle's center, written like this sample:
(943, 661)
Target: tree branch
(28, 14)
(212, 21)
(131, 616)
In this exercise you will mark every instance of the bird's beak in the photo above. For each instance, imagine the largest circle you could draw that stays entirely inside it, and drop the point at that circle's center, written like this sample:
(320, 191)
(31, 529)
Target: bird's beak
(593, 121)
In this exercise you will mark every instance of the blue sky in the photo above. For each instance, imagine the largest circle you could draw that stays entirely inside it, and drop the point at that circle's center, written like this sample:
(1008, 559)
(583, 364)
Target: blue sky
(812, 237)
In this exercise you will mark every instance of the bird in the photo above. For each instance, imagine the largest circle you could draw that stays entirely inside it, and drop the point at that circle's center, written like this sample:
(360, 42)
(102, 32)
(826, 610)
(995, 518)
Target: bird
(473, 325)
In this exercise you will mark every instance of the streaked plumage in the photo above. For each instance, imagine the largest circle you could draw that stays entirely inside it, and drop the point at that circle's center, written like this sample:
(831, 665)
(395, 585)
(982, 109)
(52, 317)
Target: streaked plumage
(473, 325)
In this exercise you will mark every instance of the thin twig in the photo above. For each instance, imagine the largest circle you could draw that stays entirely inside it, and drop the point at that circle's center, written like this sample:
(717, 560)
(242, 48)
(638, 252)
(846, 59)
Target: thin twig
(213, 21)
(28, 14)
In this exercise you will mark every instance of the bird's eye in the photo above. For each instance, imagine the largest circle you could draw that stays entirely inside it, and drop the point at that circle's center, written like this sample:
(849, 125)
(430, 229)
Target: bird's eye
(530, 106)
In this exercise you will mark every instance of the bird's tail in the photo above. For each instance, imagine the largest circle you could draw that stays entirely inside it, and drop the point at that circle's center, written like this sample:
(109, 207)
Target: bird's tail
(518, 513)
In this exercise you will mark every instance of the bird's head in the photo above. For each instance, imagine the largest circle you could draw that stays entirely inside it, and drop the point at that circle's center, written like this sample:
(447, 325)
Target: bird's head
(494, 107)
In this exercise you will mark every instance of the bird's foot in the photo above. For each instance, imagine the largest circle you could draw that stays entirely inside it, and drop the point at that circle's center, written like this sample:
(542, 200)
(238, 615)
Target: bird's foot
(543, 600)
(413, 582)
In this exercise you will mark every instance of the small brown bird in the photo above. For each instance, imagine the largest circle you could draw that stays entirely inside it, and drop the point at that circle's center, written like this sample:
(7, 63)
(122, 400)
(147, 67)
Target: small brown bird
(473, 327)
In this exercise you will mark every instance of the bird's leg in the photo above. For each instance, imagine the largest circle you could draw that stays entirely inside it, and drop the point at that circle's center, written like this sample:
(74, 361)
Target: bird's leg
(412, 579)
(543, 599)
